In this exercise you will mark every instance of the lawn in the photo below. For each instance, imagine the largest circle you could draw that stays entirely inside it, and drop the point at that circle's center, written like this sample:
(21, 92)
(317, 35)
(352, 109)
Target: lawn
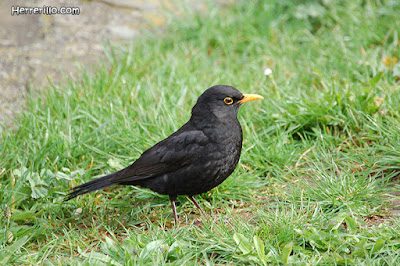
(317, 182)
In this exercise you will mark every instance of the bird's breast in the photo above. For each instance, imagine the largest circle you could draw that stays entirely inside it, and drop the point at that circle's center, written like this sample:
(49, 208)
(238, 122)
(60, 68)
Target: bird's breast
(220, 156)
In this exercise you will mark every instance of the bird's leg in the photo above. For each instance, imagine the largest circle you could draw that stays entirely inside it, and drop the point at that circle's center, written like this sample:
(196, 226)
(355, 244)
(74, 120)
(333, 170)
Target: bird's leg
(197, 205)
(172, 199)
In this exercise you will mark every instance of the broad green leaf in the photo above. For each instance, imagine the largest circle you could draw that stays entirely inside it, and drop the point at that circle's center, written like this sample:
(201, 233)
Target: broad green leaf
(153, 248)
(62, 175)
(46, 173)
(259, 245)
(351, 223)
(177, 248)
(115, 164)
(243, 243)
(100, 257)
(379, 244)
(338, 220)
(286, 251)
(68, 175)
(375, 79)
(38, 192)
(20, 171)
(361, 248)
(338, 258)
(23, 215)
(35, 180)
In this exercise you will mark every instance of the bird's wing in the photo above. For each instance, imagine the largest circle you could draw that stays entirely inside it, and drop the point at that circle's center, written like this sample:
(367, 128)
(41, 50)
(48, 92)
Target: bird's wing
(178, 150)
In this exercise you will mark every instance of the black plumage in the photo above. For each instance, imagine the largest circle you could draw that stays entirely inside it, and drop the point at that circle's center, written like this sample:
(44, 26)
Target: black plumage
(196, 158)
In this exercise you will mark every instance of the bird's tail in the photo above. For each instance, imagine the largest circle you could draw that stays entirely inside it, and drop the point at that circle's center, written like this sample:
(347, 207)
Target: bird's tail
(90, 186)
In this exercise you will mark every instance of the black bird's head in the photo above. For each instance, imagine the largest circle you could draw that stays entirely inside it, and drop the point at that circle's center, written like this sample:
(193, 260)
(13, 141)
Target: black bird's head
(222, 102)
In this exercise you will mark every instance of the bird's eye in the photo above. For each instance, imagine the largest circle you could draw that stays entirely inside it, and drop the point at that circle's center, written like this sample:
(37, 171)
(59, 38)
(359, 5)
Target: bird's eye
(228, 100)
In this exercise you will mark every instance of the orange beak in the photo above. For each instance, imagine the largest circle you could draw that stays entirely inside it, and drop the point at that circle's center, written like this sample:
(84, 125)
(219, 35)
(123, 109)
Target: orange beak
(250, 97)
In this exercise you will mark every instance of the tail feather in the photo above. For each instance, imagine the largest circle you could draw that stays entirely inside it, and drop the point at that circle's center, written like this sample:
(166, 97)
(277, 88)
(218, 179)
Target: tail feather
(90, 186)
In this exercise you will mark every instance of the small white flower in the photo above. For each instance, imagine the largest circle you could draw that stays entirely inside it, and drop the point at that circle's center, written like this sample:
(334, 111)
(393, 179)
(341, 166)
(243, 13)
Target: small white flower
(267, 71)
(78, 211)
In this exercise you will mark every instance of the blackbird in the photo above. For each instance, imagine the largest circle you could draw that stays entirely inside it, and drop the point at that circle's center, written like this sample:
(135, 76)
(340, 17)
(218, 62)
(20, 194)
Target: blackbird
(196, 158)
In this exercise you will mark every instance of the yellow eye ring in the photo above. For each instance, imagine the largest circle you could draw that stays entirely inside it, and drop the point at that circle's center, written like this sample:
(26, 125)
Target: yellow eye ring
(228, 100)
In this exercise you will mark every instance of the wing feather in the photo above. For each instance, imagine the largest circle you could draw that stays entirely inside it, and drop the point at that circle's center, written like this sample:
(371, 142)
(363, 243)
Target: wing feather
(178, 150)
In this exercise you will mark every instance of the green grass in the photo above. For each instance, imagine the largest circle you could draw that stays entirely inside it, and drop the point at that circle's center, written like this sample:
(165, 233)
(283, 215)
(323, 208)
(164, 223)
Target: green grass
(318, 174)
